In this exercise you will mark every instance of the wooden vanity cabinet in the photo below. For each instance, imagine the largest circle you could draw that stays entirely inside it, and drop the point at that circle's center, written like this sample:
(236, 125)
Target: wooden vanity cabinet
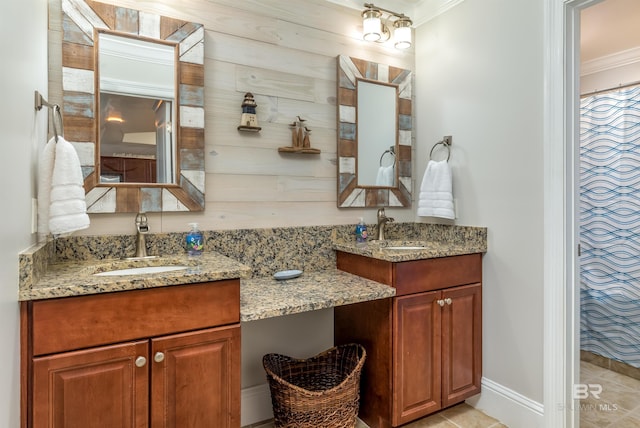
(424, 346)
(130, 170)
(162, 357)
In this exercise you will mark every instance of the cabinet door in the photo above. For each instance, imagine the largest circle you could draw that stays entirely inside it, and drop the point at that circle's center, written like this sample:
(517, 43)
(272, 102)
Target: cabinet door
(195, 379)
(416, 356)
(139, 170)
(95, 388)
(461, 343)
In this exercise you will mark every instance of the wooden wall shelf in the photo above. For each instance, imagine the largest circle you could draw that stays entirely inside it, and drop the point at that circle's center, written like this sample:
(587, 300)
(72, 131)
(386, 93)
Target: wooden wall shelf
(249, 128)
(303, 150)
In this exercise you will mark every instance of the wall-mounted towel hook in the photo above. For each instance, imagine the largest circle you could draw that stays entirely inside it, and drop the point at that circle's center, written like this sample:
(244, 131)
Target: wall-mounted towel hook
(40, 102)
(446, 141)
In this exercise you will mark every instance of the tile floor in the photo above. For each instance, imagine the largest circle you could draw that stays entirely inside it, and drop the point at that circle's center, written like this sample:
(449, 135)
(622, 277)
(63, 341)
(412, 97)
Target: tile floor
(619, 403)
(618, 406)
(460, 416)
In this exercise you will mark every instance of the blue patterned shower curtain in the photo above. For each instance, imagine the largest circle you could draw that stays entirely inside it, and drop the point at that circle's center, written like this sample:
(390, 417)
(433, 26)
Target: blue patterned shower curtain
(610, 225)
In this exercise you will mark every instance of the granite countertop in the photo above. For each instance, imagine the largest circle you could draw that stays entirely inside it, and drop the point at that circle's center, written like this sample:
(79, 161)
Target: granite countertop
(77, 278)
(266, 297)
(431, 249)
(66, 267)
(261, 297)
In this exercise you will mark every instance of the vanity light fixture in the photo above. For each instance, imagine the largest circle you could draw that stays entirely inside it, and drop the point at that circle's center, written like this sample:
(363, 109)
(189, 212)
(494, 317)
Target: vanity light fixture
(117, 119)
(377, 30)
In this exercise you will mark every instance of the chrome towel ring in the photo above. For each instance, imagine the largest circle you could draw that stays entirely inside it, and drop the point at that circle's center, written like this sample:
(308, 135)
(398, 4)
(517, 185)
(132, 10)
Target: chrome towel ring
(392, 152)
(446, 142)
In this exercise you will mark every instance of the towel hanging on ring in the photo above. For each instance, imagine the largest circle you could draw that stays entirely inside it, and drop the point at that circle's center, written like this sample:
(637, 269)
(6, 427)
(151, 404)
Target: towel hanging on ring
(436, 191)
(62, 207)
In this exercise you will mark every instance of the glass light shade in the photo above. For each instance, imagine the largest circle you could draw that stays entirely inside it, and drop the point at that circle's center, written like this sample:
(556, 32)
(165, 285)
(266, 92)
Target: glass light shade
(402, 33)
(371, 25)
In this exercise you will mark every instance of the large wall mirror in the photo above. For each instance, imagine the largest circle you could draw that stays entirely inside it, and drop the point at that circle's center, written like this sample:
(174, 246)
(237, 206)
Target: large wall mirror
(374, 134)
(136, 108)
(133, 92)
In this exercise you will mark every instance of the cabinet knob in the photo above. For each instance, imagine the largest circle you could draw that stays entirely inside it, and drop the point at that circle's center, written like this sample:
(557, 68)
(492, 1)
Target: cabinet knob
(440, 302)
(448, 300)
(158, 357)
(141, 361)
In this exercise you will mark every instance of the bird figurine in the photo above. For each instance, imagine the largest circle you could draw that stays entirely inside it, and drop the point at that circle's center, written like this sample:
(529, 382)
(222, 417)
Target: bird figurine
(306, 142)
(300, 140)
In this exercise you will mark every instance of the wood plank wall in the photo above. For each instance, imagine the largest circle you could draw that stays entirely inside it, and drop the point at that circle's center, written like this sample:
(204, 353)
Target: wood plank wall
(285, 54)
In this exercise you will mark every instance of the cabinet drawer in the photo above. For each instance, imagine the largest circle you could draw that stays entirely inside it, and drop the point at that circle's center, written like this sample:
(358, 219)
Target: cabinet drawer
(435, 274)
(416, 275)
(85, 321)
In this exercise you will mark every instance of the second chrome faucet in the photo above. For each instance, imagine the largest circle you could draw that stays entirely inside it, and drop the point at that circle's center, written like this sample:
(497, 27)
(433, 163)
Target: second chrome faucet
(382, 221)
(141, 241)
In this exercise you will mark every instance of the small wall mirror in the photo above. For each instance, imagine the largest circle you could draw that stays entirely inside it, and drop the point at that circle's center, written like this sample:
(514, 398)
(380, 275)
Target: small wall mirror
(377, 128)
(374, 134)
(133, 92)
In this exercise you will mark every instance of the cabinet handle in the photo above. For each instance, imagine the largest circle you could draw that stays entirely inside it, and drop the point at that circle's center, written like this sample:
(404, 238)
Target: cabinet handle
(440, 302)
(141, 361)
(158, 357)
(448, 300)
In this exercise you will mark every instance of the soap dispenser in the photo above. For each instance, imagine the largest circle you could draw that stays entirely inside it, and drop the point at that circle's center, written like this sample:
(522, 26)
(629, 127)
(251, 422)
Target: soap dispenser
(195, 241)
(361, 232)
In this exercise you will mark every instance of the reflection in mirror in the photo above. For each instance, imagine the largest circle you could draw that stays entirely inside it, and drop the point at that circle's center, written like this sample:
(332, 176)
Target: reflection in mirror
(137, 93)
(155, 167)
(374, 134)
(376, 130)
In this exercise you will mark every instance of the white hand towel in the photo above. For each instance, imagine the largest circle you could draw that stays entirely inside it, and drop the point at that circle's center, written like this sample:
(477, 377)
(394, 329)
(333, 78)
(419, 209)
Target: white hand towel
(436, 191)
(63, 197)
(385, 176)
(45, 174)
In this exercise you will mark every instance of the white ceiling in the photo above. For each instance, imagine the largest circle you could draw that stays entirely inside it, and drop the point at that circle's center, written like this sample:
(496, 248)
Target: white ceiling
(609, 27)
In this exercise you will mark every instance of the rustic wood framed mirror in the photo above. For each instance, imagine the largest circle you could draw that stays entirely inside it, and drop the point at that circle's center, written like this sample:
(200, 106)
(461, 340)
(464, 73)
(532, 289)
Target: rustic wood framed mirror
(374, 134)
(161, 168)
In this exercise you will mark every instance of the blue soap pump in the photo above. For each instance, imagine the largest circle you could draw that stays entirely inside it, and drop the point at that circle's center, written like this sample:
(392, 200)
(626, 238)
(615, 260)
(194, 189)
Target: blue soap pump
(361, 232)
(195, 241)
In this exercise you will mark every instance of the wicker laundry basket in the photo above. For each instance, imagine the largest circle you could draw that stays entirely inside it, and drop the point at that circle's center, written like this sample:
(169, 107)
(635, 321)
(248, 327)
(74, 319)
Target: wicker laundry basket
(322, 391)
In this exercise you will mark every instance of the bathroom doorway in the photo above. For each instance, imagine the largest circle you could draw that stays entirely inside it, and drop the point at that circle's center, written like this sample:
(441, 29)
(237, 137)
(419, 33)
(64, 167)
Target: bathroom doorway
(609, 229)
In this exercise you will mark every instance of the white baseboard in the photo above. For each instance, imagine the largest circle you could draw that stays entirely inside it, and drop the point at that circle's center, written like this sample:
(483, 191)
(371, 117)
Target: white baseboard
(508, 406)
(255, 405)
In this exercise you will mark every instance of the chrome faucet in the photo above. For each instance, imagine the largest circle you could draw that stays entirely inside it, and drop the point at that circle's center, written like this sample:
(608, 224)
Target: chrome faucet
(382, 220)
(143, 229)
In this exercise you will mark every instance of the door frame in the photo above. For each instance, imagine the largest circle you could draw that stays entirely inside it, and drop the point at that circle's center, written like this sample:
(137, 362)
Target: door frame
(561, 190)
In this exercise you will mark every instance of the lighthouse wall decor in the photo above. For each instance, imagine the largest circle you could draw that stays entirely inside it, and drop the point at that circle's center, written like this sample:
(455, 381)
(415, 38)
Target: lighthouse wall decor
(249, 120)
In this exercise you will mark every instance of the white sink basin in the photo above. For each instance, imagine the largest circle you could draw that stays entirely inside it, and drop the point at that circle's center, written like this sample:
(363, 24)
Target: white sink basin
(141, 270)
(408, 247)
(399, 245)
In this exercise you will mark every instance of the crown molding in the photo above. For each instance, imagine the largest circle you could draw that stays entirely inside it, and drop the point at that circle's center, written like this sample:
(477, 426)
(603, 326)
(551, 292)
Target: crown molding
(608, 62)
(426, 10)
